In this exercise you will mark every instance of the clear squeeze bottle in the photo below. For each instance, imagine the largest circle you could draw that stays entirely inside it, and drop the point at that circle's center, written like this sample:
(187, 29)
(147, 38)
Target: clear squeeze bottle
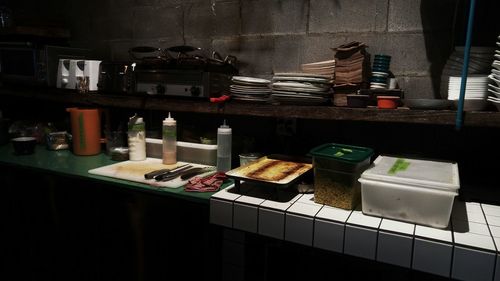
(224, 136)
(169, 140)
(137, 138)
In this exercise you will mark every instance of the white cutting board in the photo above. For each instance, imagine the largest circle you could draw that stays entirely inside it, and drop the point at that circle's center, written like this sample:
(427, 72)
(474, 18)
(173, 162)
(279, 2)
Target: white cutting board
(135, 170)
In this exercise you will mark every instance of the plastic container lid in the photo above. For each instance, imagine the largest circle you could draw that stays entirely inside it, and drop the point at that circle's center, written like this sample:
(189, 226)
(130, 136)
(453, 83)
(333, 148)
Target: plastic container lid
(415, 172)
(342, 152)
(169, 121)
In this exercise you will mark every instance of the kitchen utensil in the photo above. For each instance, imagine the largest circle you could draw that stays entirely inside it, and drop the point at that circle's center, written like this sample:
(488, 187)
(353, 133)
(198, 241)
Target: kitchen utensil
(153, 174)
(176, 174)
(172, 174)
(24, 145)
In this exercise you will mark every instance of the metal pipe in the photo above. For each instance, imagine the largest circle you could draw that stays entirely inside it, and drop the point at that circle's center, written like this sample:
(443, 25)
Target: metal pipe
(465, 68)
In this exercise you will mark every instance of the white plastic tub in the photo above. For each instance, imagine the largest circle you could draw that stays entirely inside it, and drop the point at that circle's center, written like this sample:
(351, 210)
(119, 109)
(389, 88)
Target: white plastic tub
(412, 190)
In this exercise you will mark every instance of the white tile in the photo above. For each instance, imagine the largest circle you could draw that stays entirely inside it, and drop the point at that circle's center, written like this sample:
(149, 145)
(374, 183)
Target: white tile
(304, 209)
(474, 240)
(334, 214)
(307, 199)
(221, 212)
(272, 223)
(397, 226)
(432, 257)
(470, 227)
(358, 218)
(226, 195)
(394, 249)
(279, 206)
(245, 217)
(434, 233)
(249, 200)
(495, 231)
(360, 242)
(299, 229)
(492, 210)
(329, 235)
(493, 220)
(469, 264)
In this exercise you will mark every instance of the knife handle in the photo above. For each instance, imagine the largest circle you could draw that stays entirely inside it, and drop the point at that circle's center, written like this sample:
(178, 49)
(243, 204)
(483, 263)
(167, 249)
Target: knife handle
(152, 174)
(171, 173)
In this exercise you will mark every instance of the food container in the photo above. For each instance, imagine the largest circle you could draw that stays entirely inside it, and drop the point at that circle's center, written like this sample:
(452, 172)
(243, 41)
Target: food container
(246, 158)
(387, 102)
(412, 190)
(337, 168)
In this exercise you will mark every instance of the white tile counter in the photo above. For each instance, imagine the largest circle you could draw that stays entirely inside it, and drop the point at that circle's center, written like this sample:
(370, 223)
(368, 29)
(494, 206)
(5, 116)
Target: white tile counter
(465, 250)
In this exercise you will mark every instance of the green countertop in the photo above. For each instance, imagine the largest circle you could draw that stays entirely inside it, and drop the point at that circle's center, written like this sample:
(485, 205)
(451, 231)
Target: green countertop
(65, 163)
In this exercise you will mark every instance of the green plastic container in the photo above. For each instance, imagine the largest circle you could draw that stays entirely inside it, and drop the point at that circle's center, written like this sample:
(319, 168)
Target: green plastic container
(337, 168)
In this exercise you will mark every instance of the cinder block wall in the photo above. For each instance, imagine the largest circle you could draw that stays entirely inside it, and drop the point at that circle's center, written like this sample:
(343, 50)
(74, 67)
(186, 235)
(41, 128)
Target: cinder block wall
(269, 36)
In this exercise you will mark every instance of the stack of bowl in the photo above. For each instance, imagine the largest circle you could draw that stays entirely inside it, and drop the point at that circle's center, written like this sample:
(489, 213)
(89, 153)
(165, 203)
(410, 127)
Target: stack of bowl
(380, 72)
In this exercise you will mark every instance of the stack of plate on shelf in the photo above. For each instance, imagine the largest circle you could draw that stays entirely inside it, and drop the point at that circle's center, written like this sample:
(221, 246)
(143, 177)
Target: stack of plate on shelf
(301, 88)
(250, 89)
(326, 67)
(476, 91)
(494, 85)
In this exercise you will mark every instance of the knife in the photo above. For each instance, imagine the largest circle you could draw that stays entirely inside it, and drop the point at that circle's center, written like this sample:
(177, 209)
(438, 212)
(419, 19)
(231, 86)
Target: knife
(173, 172)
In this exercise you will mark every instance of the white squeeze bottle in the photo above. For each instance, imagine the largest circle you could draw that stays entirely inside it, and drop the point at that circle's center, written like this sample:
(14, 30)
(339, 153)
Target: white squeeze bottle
(224, 136)
(169, 133)
(137, 138)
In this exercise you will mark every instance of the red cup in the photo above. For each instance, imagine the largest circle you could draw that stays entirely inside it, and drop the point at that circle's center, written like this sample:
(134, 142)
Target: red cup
(387, 102)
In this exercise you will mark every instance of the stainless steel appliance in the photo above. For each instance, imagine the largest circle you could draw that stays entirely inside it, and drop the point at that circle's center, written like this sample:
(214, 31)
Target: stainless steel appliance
(31, 63)
(183, 75)
(116, 77)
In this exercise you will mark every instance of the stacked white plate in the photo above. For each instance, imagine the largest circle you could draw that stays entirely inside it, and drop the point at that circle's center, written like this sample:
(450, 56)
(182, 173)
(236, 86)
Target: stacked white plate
(494, 78)
(326, 67)
(476, 91)
(301, 88)
(250, 89)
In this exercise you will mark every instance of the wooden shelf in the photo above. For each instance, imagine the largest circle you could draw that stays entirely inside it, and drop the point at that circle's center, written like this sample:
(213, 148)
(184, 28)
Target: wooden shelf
(431, 117)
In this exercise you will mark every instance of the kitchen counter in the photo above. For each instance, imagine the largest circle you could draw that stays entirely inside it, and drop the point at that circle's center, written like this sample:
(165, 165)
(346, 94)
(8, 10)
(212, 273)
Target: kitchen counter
(63, 162)
(468, 249)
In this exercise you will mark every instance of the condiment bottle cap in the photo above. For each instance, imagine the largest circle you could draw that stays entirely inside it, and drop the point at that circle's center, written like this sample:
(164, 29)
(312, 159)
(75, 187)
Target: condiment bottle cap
(169, 121)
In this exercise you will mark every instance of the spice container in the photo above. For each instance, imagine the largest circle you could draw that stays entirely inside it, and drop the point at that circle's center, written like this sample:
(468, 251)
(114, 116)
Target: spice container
(412, 190)
(337, 168)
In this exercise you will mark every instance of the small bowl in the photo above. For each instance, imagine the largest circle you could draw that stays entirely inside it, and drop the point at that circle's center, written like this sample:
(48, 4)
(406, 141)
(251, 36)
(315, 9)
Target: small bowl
(246, 158)
(24, 145)
(387, 102)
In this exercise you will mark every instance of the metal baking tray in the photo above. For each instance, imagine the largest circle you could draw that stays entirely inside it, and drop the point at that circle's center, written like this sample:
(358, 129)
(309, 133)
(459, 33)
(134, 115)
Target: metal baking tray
(273, 170)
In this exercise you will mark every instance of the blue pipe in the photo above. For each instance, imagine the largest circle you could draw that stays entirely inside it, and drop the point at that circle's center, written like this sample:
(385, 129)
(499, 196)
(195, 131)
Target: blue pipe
(459, 120)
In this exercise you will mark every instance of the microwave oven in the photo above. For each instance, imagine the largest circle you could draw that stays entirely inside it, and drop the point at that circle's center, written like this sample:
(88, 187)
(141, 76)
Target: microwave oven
(34, 64)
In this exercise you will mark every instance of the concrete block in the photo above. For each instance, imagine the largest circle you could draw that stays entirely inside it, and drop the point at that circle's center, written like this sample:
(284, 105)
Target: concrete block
(417, 87)
(319, 47)
(347, 16)
(276, 16)
(418, 15)
(255, 54)
(154, 22)
(286, 57)
(208, 18)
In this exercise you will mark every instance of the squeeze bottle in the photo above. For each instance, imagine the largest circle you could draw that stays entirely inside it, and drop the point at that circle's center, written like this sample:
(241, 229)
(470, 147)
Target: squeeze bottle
(224, 136)
(137, 138)
(169, 133)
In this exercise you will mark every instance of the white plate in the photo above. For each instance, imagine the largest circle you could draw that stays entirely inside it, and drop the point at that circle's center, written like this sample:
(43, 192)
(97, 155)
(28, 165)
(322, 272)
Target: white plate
(301, 74)
(251, 80)
(251, 88)
(302, 79)
(494, 87)
(495, 80)
(497, 94)
(380, 74)
(305, 85)
(299, 94)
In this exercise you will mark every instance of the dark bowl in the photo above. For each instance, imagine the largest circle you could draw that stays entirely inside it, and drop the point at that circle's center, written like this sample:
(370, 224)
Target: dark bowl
(24, 145)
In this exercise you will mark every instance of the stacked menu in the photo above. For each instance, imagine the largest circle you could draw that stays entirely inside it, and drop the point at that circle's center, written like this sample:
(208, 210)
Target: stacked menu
(351, 70)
